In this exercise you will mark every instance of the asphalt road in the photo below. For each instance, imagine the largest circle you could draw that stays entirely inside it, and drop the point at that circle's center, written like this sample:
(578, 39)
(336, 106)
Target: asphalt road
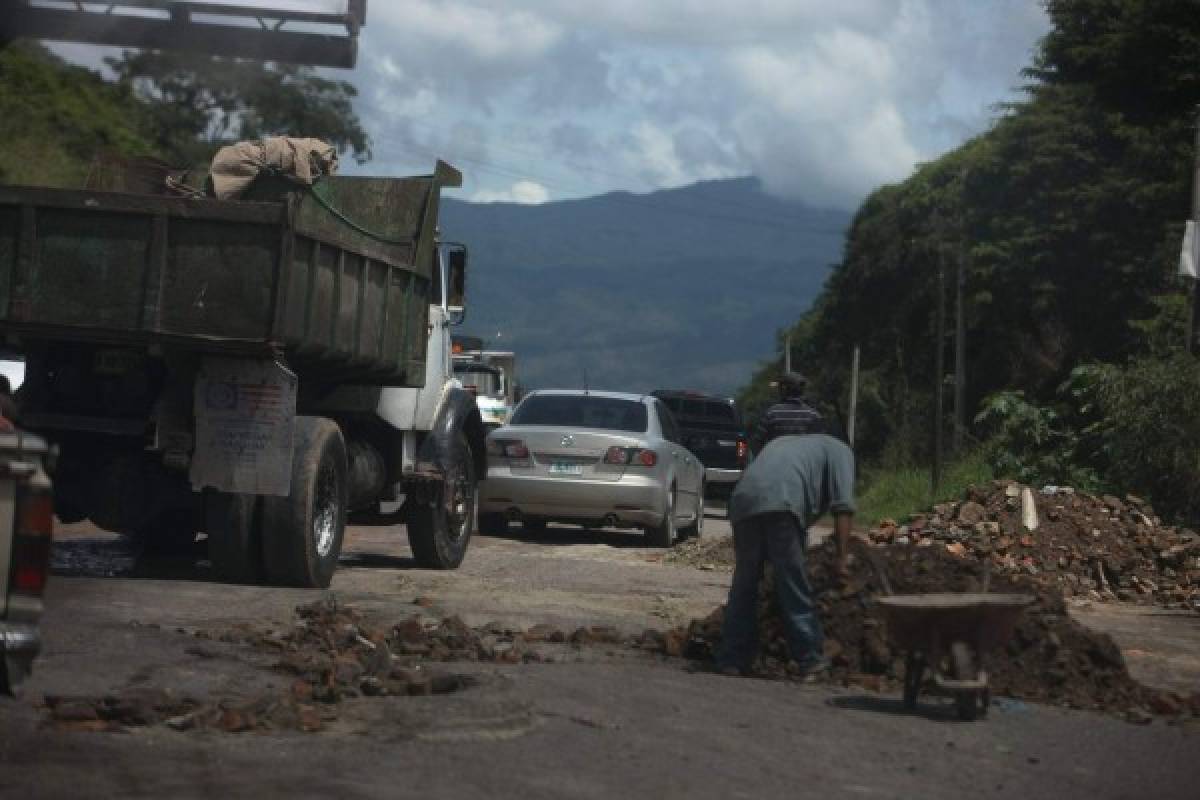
(602, 723)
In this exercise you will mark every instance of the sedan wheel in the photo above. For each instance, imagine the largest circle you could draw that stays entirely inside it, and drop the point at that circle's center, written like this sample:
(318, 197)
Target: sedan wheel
(696, 529)
(663, 535)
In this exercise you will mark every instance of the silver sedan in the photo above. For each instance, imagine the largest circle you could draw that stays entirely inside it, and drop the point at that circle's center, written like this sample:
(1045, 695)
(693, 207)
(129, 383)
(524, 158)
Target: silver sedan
(593, 458)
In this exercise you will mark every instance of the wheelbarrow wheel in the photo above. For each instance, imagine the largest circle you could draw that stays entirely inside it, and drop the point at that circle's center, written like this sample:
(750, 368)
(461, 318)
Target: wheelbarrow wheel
(964, 670)
(914, 670)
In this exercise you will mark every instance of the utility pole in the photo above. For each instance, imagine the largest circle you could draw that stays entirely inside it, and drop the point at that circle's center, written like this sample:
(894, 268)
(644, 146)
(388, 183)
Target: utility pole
(853, 397)
(939, 369)
(960, 350)
(787, 353)
(1194, 321)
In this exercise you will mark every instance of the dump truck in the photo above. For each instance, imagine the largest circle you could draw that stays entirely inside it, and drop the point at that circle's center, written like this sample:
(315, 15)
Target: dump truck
(258, 370)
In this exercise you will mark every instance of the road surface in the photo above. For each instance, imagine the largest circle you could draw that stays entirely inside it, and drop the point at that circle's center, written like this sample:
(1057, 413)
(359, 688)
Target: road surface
(604, 722)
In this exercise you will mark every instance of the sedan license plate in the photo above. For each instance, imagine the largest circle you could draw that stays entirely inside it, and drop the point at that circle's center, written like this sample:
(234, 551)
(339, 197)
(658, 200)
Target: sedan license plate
(565, 468)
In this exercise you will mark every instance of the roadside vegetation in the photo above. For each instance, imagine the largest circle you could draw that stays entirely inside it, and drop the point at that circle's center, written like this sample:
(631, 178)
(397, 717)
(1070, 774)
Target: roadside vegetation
(896, 492)
(55, 118)
(1068, 216)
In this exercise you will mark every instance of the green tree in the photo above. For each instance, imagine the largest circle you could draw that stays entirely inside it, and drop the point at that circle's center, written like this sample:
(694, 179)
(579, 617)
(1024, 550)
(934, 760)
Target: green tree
(198, 103)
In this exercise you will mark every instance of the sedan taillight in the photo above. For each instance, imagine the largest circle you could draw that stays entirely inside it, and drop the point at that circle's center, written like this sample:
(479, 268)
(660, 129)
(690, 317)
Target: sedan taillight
(509, 448)
(630, 456)
(743, 451)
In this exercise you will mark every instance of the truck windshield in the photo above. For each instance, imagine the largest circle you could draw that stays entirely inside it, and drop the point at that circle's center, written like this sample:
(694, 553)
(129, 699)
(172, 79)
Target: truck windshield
(582, 411)
(480, 380)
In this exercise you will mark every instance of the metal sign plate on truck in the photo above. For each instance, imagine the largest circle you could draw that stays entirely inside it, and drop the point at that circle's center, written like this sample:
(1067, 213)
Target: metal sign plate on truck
(245, 416)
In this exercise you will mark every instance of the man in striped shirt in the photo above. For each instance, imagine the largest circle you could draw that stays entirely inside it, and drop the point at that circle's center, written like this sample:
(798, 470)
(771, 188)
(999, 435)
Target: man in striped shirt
(791, 416)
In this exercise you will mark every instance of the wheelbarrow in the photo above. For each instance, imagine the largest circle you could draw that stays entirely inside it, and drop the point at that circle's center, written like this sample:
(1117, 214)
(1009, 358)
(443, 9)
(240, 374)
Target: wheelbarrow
(950, 634)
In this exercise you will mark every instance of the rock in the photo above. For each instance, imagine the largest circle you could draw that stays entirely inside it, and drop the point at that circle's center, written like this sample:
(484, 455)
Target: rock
(233, 721)
(372, 686)
(971, 513)
(378, 661)
(420, 686)
(73, 711)
(596, 634)
(347, 670)
(1165, 703)
(446, 682)
(674, 643)
(543, 632)
(183, 722)
(309, 720)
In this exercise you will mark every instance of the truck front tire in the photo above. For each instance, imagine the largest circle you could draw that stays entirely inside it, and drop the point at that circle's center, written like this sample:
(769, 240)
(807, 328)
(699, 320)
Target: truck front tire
(303, 532)
(440, 529)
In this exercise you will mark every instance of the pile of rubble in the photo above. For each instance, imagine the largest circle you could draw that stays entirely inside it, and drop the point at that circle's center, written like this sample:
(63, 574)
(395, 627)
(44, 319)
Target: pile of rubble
(330, 655)
(707, 553)
(1101, 548)
(1050, 659)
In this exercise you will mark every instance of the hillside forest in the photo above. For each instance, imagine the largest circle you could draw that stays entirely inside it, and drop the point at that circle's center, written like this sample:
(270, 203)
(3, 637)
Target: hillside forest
(1067, 218)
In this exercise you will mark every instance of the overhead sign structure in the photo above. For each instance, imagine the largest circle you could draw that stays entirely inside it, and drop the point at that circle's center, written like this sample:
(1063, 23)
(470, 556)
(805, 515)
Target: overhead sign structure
(269, 31)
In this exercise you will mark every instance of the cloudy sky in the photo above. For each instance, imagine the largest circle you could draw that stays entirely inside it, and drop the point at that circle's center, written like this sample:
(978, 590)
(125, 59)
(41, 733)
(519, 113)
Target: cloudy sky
(541, 100)
(551, 99)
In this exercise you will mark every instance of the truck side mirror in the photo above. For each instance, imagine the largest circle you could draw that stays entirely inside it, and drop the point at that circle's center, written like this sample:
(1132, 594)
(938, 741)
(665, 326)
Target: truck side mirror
(456, 282)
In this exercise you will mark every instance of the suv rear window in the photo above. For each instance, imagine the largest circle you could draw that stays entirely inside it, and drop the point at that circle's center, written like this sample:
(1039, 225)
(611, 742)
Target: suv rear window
(693, 407)
(582, 411)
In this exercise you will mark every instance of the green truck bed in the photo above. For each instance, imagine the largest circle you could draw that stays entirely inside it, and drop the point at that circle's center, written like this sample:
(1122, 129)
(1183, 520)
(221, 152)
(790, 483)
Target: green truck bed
(336, 279)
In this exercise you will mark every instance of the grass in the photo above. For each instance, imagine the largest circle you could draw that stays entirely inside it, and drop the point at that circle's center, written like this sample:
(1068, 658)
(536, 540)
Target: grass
(897, 493)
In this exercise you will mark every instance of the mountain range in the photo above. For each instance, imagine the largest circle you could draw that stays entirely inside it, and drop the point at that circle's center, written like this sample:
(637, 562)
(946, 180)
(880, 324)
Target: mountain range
(679, 288)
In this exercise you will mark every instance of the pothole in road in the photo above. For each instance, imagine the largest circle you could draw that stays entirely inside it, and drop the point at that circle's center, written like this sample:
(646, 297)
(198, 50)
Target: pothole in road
(334, 661)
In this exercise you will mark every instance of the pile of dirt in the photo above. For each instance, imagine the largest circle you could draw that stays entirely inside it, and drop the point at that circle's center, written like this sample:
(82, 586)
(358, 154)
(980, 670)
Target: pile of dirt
(1050, 659)
(331, 654)
(1101, 548)
(712, 553)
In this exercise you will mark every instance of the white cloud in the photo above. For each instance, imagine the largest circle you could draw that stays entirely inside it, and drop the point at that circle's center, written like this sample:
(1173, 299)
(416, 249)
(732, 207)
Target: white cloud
(822, 99)
(523, 192)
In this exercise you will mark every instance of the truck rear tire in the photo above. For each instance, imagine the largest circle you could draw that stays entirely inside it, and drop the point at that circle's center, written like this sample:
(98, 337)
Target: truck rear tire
(234, 537)
(302, 533)
(440, 530)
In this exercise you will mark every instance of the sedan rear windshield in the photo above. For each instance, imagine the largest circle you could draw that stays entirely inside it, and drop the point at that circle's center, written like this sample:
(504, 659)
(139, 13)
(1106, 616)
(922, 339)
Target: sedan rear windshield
(582, 411)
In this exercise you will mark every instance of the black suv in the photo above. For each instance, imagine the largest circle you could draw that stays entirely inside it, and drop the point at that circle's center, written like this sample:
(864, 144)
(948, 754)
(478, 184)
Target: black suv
(712, 429)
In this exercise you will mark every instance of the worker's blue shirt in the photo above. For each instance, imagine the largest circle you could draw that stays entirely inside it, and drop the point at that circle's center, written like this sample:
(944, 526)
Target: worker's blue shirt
(805, 475)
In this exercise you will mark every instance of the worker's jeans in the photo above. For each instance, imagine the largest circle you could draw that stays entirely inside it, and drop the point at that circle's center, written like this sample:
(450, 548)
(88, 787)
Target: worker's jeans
(780, 538)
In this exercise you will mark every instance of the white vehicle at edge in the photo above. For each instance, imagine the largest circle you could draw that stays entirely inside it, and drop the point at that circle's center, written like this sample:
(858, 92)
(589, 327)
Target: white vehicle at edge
(593, 458)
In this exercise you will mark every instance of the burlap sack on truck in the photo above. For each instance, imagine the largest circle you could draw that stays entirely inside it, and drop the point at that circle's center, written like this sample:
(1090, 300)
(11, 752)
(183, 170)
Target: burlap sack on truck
(236, 166)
